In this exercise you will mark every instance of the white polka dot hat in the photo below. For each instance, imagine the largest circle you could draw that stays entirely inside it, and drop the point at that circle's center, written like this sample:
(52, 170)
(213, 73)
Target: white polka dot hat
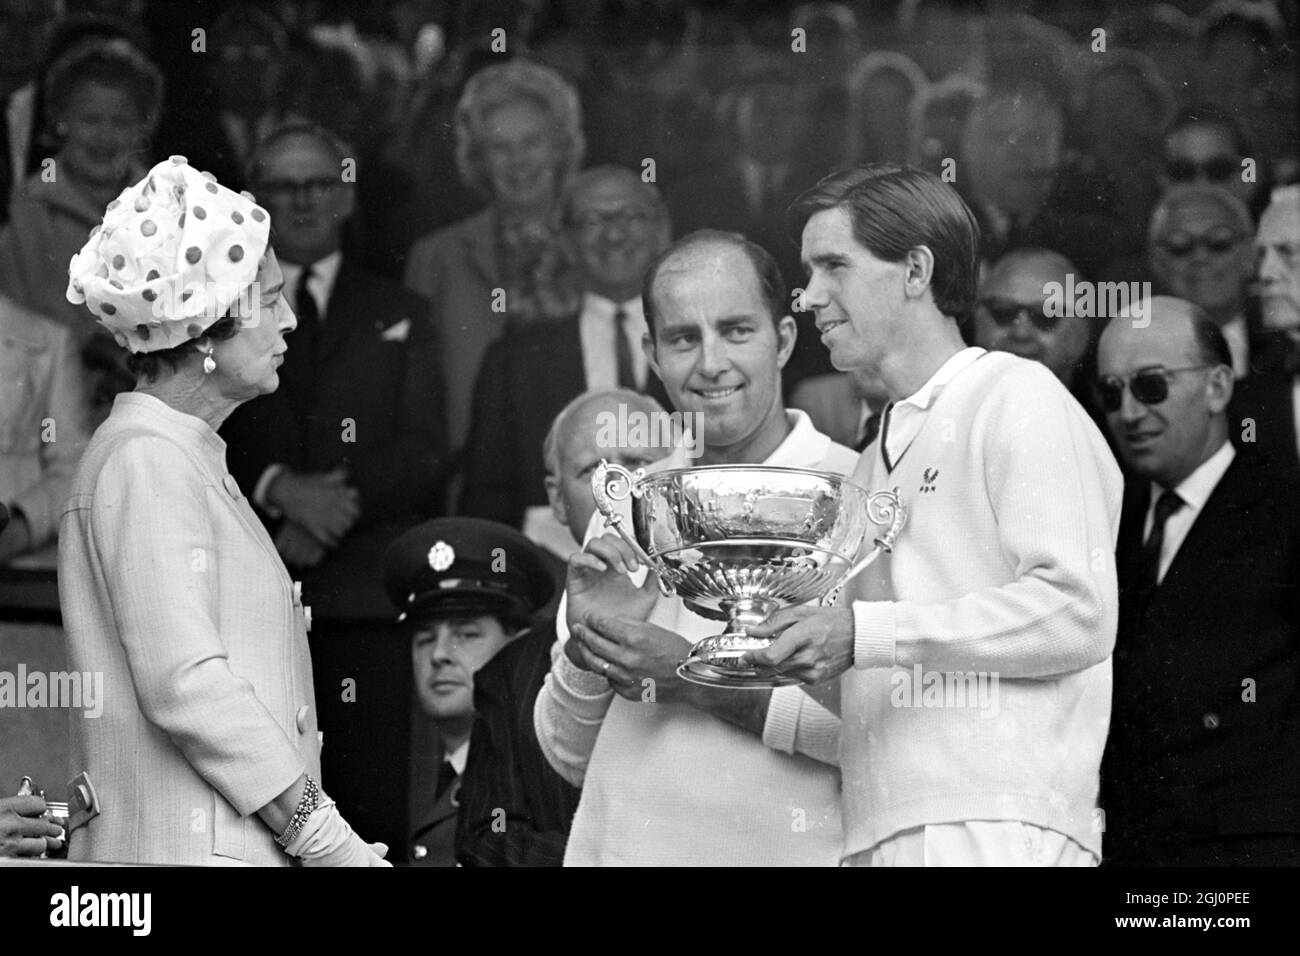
(173, 254)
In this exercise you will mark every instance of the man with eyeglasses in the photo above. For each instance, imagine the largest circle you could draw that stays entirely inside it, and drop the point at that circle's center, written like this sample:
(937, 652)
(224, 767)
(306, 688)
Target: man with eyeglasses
(1201, 764)
(1199, 248)
(614, 226)
(1010, 316)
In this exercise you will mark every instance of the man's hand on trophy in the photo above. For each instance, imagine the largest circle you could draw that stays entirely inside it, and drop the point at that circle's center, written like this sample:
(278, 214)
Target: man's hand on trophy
(638, 659)
(600, 582)
(814, 644)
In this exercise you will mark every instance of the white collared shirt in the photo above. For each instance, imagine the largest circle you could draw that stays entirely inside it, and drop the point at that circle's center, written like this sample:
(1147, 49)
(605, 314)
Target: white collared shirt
(324, 273)
(596, 331)
(1195, 490)
(904, 419)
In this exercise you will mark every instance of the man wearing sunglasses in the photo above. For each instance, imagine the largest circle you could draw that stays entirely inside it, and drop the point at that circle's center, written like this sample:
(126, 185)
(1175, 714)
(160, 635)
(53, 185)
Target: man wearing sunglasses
(1203, 145)
(1010, 316)
(1201, 764)
(1199, 248)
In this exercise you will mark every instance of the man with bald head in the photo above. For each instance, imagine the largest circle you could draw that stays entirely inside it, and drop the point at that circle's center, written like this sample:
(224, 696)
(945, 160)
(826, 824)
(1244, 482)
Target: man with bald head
(1201, 766)
(614, 226)
(1010, 316)
(674, 773)
(516, 810)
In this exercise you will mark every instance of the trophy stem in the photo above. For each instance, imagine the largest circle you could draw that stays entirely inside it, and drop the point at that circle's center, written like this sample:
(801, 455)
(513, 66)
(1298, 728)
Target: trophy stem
(718, 661)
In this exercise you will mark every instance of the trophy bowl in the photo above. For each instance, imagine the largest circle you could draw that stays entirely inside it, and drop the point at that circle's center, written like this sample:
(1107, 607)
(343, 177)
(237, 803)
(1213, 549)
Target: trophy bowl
(737, 542)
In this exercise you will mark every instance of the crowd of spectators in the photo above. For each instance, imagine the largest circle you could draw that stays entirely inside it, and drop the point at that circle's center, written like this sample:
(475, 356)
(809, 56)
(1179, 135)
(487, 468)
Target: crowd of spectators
(465, 196)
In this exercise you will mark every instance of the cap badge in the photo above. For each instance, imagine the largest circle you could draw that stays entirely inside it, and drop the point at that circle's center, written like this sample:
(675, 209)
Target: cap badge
(441, 556)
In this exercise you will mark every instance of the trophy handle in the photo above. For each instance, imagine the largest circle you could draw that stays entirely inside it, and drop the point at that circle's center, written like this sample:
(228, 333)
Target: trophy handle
(884, 508)
(611, 483)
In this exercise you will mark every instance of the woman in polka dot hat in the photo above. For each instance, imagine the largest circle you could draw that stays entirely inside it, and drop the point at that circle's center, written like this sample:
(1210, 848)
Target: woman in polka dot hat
(206, 750)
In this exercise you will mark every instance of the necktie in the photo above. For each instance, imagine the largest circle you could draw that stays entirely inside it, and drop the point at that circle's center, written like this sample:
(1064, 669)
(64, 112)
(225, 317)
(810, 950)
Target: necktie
(1166, 505)
(447, 776)
(623, 352)
(308, 313)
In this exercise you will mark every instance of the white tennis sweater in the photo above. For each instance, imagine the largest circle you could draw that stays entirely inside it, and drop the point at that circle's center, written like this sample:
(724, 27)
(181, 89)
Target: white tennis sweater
(664, 784)
(1005, 575)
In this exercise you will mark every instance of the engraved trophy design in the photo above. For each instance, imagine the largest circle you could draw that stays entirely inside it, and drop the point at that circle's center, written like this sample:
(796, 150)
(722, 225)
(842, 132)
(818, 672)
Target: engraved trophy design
(737, 542)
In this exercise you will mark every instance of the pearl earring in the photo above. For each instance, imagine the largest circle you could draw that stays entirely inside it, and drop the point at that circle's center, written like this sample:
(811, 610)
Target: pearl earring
(209, 363)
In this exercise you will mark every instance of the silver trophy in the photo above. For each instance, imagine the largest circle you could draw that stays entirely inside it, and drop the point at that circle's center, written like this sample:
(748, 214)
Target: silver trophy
(737, 542)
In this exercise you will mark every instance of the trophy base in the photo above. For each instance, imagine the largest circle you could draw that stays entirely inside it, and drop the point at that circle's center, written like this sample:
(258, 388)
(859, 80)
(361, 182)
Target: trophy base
(718, 662)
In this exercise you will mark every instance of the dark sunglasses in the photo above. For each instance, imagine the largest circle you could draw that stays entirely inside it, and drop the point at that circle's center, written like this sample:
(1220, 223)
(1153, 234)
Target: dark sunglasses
(1181, 246)
(1218, 169)
(1150, 386)
(1005, 313)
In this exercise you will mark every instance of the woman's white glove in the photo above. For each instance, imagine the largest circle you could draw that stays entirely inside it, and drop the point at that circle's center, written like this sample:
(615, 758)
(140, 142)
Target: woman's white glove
(327, 840)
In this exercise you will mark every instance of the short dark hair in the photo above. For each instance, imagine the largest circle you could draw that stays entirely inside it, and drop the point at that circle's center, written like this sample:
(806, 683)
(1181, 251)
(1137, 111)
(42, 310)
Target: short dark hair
(1211, 345)
(149, 365)
(893, 210)
(766, 271)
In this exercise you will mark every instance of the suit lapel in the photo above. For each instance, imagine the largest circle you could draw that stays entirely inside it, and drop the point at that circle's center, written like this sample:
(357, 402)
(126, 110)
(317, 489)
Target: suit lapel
(1201, 555)
(346, 309)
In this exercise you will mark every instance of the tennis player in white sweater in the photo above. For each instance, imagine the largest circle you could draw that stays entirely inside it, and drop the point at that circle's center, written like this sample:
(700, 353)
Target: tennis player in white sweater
(974, 663)
(674, 774)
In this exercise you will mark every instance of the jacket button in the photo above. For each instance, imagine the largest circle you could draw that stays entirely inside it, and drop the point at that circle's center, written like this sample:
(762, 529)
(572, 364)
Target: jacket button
(306, 616)
(297, 592)
(419, 851)
(1211, 721)
(303, 713)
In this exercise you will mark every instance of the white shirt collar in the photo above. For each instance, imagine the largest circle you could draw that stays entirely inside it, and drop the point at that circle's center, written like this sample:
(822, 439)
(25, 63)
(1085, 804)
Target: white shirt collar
(1196, 488)
(458, 757)
(905, 418)
(804, 447)
(324, 273)
(596, 333)
(604, 308)
(924, 396)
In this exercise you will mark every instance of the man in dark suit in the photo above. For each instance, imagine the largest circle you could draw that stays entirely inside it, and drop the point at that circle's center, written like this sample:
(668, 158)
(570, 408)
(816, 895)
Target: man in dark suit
(352, 442)
(343, 457)
(466, 589)
(615, 225)
(1201, 765)
(1264, 412)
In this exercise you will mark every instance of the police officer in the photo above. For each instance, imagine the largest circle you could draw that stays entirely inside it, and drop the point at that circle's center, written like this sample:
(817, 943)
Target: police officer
(465, 587)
